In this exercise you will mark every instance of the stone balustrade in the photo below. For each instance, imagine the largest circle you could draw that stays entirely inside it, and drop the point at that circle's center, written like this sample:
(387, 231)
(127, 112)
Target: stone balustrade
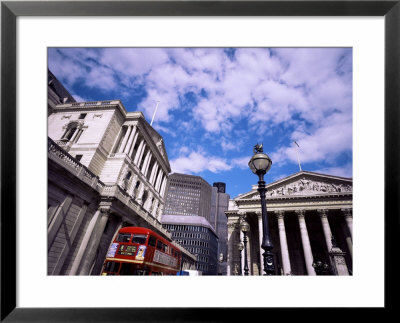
(61, 157)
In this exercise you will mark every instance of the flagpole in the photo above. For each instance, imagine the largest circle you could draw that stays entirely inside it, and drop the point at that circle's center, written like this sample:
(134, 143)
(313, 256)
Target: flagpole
(154, 114)
(297, 152)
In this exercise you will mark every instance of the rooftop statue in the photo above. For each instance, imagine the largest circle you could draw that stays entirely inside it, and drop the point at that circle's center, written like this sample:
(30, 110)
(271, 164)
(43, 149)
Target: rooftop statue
(258, 148)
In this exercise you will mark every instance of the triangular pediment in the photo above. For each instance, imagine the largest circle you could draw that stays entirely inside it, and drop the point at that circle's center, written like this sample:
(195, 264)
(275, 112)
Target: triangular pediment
(304, 184)
(157, 139)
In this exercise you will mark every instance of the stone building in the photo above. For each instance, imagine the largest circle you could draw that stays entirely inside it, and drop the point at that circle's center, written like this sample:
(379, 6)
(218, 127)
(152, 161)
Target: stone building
(310, 219)
(219, 204)
(107, 168)
(57, 93)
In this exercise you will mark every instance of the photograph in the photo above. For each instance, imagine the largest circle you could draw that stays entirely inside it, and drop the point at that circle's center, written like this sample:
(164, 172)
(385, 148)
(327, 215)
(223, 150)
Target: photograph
(202, 154)
(200, 161)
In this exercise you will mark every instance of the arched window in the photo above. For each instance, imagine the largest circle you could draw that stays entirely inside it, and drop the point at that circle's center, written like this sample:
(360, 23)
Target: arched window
(72, 131)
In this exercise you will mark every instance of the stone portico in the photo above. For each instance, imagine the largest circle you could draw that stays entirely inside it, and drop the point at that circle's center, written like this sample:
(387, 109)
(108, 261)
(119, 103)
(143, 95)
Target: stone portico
(310, 220)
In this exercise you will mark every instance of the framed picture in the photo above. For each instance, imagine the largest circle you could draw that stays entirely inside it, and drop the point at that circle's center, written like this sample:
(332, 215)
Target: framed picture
(13, 133)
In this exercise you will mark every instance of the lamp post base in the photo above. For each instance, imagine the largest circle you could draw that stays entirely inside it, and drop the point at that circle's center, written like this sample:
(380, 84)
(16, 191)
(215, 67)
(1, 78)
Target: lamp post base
(269, 263)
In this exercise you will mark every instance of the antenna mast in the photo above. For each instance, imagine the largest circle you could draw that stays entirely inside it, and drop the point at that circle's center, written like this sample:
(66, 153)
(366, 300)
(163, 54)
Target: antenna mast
(297, 152)
(154, 114)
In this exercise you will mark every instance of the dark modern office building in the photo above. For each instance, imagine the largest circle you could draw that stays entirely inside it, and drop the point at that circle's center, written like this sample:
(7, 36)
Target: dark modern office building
(197, 236)
(188, 195)
(187, 216)
(218, 220)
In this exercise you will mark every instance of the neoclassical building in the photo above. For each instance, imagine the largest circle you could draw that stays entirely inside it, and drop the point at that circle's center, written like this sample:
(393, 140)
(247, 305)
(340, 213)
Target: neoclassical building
(310, 220)
(107, 168)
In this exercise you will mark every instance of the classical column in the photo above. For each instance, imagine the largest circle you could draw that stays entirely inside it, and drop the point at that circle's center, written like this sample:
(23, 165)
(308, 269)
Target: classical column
(306, 243)
(260, 233)
(145, 163)
(130, 140)
(133, 144)
(138, 153)
(142, 153)
(123, 143)
(158, 181)
(84, 243)
(94, 242)
(153, 173)
(283, 241)
(163, 186)
(146, 171)
(349, 220)
(327, 230)
(230, 261)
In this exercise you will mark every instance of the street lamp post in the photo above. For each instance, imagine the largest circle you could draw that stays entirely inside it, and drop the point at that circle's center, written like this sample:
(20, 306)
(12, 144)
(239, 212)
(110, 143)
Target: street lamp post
(240, 248)
(244, 226)
(260, 164)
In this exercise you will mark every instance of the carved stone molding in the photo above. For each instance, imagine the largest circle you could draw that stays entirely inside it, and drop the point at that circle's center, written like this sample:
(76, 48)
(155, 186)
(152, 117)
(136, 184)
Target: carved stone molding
(233, 226)
(300, 213)
(105, 208)
(307, 186)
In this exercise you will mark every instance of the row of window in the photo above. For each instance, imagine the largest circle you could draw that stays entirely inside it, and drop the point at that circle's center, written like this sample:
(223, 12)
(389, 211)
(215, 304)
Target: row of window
(202, 259)
(194, 250)
(179, 227)
(191, 235)
(196, 243)
(201, 267)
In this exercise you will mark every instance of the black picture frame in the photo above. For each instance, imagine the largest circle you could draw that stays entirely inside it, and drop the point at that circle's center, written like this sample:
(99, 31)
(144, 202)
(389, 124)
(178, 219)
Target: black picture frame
(10, 10)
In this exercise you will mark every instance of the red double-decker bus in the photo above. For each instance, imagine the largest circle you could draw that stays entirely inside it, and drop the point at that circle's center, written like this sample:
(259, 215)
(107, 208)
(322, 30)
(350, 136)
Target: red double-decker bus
(140, 251)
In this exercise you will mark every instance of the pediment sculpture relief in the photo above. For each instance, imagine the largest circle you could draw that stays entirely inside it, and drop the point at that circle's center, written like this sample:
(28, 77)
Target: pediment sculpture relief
(306, 186)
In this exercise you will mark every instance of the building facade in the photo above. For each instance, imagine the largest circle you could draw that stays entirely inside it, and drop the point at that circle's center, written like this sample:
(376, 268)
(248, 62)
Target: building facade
(57, 93)
(196, 235)
(188, 208)
(310, 220)
(188, 195)
(218, 220)
(107, 168)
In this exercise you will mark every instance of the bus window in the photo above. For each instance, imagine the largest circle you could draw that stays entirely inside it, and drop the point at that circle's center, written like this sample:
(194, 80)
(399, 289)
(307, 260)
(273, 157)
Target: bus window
(124, 237)
(152, 241)
(126, 269)
(159, 245)
(112, 267)
(139, 238)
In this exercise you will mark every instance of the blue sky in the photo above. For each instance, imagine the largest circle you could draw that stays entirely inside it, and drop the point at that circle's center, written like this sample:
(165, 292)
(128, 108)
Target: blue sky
(215, 104)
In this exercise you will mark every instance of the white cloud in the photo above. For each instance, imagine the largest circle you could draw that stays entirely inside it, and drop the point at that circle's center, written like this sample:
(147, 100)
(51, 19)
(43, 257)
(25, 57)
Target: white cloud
(304, 94)
(343, 171)
(197, 162)
(326, 143)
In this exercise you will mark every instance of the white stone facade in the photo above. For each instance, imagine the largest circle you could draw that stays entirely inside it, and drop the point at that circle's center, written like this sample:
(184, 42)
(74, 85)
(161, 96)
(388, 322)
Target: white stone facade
(120, 147)
(106, 169)
(310, 223)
